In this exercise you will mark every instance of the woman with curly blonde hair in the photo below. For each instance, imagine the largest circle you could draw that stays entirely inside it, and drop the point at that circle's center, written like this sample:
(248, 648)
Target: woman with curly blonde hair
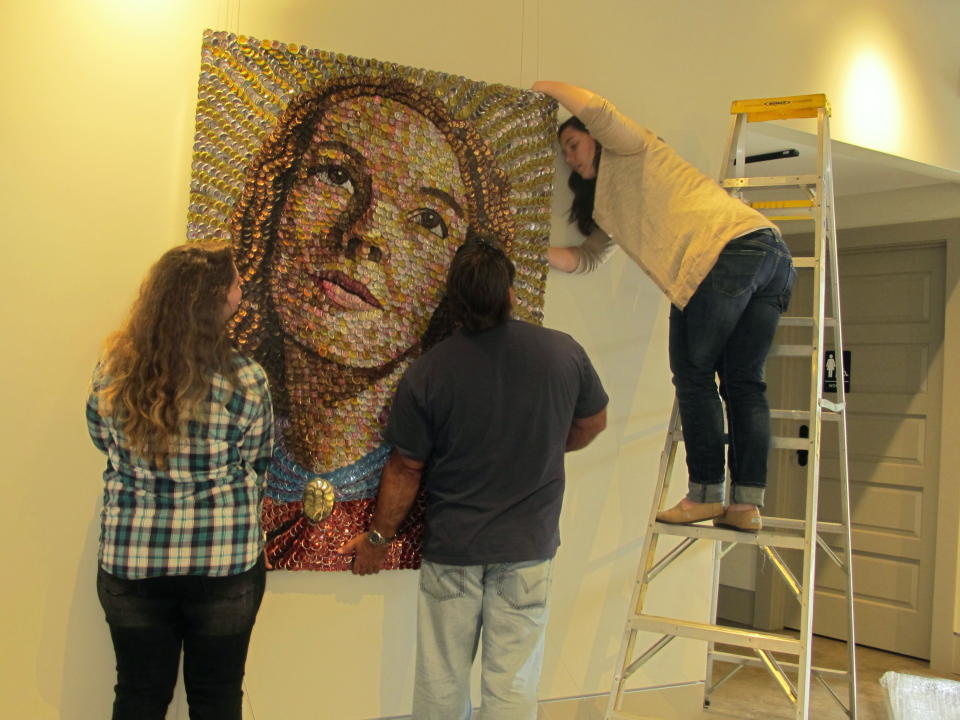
(186, 423)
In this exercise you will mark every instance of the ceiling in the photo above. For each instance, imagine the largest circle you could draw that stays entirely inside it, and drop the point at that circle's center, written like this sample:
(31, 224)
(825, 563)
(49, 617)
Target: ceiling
(856, 170)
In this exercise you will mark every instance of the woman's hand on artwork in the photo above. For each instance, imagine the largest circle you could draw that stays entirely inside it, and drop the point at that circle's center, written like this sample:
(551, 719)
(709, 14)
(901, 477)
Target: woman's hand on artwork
(565, 259)
(573, 98)
(368, 559)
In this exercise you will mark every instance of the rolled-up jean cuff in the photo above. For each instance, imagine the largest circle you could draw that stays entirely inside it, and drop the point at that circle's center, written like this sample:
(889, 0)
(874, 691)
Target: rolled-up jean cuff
(712, 493)
(748, 495)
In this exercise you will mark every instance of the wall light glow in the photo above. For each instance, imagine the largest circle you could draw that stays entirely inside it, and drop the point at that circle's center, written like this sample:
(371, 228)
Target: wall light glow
(872, 103)
(151, 9)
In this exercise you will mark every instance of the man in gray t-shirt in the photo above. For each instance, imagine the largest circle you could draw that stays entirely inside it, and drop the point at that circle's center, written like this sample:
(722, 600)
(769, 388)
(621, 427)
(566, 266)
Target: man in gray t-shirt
(483, 420)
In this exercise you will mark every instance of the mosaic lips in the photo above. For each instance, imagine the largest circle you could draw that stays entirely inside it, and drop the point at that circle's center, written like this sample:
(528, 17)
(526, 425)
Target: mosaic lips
(345, 292)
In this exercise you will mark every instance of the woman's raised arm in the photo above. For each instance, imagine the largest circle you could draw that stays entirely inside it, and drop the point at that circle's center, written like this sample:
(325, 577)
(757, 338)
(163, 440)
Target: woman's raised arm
(573, 98)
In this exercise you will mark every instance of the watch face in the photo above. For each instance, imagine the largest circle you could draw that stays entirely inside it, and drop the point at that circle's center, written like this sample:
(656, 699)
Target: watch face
(376, 538)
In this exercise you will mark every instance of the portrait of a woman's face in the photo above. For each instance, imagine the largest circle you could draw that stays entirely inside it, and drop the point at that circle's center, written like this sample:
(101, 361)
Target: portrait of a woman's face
(367, 232)
(346, 186)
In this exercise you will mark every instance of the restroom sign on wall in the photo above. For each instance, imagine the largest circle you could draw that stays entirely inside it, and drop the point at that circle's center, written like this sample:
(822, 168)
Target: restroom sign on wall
(831, 369)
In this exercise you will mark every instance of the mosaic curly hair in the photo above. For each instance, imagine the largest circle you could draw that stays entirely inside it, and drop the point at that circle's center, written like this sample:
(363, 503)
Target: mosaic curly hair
(158, 366)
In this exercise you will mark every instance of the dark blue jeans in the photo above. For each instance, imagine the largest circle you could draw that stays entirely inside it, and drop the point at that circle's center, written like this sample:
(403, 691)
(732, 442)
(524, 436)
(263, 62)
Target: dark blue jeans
(726, 330)
(209, 618)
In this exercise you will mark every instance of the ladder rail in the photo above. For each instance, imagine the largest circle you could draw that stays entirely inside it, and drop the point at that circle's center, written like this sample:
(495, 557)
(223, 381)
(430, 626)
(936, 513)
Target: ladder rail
(714, 606)
(808, 588)
(734, 154)
(647, 554)
(843, 457)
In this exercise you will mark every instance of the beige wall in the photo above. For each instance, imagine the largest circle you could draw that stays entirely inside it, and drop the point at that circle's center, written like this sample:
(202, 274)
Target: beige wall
(892, 207)
(98, 102)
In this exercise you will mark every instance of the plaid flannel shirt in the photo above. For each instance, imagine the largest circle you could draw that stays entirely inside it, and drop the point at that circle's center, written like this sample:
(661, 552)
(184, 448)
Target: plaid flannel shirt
(200, 515)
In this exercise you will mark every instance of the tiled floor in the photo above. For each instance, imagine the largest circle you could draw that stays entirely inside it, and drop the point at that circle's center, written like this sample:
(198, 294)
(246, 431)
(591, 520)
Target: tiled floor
(752, 694)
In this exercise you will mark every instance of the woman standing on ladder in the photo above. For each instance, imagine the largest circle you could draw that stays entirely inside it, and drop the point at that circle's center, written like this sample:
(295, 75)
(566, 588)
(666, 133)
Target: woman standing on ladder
(725, 269)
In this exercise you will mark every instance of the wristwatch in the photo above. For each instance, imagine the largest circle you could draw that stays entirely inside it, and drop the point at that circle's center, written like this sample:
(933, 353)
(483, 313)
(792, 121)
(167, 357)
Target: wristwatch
(375, 537)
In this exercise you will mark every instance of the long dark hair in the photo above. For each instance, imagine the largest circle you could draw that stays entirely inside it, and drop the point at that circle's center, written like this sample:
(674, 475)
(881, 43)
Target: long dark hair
(584, 191)
(158, 366)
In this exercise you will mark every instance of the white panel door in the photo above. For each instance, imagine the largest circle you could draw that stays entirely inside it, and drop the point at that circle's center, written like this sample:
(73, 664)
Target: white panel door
(893, 305)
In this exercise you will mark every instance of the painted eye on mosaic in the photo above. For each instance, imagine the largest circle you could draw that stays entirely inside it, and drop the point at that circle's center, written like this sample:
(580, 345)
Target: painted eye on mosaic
(346, 186)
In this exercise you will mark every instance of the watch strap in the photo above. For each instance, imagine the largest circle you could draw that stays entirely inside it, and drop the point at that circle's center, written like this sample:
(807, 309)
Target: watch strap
(375, 537)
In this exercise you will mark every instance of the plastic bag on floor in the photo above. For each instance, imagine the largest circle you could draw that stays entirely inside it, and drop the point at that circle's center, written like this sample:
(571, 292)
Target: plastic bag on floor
(911, 697)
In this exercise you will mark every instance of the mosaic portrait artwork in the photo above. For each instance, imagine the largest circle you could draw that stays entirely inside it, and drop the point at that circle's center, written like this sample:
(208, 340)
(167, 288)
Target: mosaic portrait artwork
(345, 186)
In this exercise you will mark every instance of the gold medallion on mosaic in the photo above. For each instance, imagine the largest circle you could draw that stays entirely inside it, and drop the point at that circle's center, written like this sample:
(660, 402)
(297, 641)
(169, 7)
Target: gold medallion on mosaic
(318, 499)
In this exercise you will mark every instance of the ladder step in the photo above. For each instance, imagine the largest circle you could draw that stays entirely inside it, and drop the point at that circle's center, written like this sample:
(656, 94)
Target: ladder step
(778, 350)
(622, 715)
(800, 525)
(764, 537)
(709, 532)
(831, 416)
(783, 350)
(795, 321)
(777, 204)
(733, 657)
(715, 633)
(780, 108)
(789, 218)
(805, 262)
(790, 414)
(789, 443)
(770, 181)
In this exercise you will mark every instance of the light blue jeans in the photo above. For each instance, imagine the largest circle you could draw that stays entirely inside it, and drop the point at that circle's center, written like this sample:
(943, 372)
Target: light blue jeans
(726, 331)
(509, 601)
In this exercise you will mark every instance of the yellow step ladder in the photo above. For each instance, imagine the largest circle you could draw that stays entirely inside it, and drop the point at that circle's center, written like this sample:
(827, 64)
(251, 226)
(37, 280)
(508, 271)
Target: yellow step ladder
(794, 674)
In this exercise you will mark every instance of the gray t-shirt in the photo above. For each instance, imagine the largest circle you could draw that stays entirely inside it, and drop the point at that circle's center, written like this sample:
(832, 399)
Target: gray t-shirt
(489, 414)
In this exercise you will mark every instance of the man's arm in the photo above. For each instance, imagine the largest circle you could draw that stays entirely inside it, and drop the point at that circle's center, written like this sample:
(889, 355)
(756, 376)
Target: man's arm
(399, 484)
(584, 430)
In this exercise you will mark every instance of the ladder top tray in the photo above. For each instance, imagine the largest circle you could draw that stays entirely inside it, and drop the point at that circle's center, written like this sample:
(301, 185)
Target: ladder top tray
(780, 108)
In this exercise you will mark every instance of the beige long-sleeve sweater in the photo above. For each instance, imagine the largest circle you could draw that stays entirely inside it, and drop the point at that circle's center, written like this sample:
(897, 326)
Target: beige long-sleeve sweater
(670, 218)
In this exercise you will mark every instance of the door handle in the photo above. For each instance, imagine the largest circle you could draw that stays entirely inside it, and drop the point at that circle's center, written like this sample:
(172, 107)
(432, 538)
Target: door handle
(804, 432)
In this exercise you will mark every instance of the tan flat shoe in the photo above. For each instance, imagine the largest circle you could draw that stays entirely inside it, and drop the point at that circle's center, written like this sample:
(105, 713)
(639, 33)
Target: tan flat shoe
(700, 511)
(746, 520)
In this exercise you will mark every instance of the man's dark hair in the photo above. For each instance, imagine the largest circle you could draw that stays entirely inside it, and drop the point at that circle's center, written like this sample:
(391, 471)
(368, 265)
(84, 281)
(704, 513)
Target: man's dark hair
(478, 286)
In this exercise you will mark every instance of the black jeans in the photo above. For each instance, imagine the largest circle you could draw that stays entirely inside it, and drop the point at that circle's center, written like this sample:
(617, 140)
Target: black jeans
(726, 330)
(209, 618)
